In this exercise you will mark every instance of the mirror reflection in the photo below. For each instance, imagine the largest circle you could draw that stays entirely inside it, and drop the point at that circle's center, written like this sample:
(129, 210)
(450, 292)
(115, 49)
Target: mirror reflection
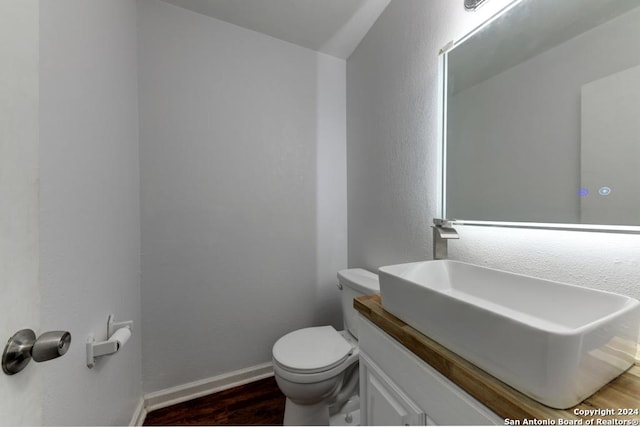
(543, 115)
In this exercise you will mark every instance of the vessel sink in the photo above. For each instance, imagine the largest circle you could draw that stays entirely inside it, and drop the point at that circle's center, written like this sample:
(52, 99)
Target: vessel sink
(557, 343)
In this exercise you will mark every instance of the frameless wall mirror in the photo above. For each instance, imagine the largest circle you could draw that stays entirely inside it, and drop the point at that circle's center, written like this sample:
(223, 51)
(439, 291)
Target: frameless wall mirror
(542, 116)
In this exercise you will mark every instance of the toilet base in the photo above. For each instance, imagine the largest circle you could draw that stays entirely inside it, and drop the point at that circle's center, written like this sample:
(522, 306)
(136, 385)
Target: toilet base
(306, 415)
(321, 414)
(349, 419)
(347, 415)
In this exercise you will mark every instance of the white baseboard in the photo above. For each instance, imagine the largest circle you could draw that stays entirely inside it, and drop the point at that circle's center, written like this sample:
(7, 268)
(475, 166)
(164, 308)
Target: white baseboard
(139, 414)
(182, 393)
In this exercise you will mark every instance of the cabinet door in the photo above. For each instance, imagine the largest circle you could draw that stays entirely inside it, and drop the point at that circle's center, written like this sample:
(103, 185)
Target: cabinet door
(383, 403)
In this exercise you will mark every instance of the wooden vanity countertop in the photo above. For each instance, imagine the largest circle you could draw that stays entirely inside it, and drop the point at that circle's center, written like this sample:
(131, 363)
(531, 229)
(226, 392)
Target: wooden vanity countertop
(619, 396)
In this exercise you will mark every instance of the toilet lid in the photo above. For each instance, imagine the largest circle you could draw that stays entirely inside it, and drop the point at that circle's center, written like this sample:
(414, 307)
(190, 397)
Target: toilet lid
(311, 350)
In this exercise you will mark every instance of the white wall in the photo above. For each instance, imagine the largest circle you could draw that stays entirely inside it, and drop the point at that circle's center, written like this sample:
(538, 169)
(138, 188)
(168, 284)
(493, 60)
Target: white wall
(20, 394)
(243, 193)
(90, 204)
(392, 139)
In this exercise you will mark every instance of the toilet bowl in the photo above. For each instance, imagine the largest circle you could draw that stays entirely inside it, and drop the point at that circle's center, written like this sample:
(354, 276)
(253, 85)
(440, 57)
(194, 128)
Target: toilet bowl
(316, 368)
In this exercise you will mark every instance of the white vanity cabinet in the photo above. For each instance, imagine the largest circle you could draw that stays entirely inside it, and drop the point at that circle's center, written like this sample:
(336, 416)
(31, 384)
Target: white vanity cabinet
(398, 388)
(386, 404)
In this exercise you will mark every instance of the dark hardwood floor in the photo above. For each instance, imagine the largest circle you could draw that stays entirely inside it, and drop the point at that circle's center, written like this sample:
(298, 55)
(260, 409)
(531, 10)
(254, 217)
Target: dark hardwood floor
(260, 402)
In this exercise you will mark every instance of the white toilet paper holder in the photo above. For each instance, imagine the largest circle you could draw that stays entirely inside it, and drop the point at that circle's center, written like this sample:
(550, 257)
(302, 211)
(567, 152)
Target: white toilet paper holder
(110, 346)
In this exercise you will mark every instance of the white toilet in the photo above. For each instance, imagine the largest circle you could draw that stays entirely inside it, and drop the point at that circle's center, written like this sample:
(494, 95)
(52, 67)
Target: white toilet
(317, 368)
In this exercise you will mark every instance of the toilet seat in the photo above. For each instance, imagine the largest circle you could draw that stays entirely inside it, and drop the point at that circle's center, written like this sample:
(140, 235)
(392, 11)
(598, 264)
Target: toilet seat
(311, 350)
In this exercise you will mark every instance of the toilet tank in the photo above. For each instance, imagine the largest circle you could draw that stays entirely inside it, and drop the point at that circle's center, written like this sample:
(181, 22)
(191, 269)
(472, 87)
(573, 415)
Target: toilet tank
(354, 283)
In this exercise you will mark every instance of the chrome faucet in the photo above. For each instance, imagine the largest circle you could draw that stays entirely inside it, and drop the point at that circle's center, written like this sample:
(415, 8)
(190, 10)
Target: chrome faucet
(442, 232)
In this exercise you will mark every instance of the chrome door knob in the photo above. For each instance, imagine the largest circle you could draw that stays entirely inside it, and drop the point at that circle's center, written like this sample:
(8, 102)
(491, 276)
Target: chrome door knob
(51, 345)
(23, 346)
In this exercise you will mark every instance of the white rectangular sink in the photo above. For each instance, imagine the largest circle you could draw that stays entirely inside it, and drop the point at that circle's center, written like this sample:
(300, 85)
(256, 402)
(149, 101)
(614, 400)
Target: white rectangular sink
(556, 343)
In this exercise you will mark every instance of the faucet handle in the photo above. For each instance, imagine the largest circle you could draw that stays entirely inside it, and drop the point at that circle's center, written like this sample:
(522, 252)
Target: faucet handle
(445, 229)
(439, 222)
(442, 231)
(446, 232)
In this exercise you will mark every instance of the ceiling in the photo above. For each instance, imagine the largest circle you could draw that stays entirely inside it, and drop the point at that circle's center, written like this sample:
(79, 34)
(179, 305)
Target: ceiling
(334, 27)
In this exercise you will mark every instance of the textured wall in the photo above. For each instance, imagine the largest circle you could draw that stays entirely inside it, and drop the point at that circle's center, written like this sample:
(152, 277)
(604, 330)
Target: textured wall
(392, 157)
(242, 146)
(392, 115)
(90, 205)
